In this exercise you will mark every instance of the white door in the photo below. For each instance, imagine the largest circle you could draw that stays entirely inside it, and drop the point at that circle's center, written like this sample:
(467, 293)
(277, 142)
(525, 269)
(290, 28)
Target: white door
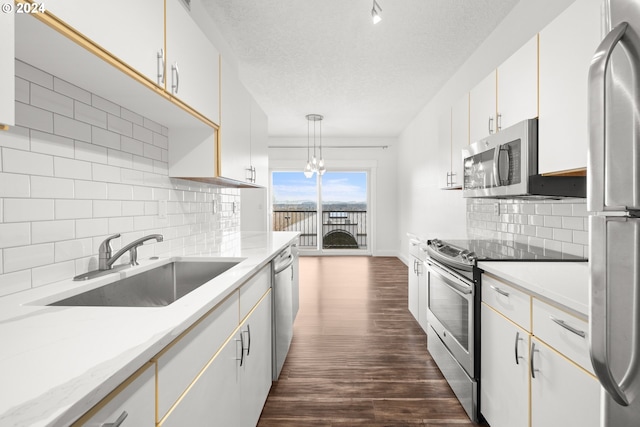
(504, 372)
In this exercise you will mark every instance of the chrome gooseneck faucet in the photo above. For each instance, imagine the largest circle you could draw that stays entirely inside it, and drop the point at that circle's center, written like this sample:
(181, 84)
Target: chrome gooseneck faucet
(105, 260)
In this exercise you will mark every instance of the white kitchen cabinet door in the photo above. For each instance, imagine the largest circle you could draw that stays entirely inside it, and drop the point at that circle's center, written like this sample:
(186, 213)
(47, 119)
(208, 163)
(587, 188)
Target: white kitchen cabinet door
(7, 69)
(562, 394)
(132, 31)
(235, 126)
(444, 149)
(214, 398)
(259, 155)
(518, 86)
(459, 138)
(504, 395)
(181, 362)
(567, 45)
(193, 63)
(482, 109)
(423, 296)
(255, 373)
(135, 397)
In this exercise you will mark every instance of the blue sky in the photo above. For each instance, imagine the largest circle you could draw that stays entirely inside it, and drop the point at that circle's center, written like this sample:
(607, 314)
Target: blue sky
(336, 187)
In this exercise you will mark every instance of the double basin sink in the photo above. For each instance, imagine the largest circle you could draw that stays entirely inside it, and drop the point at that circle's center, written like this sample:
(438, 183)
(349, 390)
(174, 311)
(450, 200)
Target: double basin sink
(157, 287)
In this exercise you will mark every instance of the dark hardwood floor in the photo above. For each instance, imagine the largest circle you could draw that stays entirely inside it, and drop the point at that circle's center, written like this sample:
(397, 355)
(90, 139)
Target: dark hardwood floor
(358, 357)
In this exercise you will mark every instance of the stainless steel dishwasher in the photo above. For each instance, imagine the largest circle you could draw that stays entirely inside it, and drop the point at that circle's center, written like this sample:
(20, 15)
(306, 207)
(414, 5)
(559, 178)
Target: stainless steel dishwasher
(283, 306)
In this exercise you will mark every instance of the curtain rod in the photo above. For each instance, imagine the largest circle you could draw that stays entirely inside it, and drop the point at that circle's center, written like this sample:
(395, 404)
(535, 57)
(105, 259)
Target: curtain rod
(384, 147)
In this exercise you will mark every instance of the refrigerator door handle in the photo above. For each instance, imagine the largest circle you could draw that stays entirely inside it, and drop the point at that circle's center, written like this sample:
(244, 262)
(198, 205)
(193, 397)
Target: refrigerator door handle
(597, 117)
(599, 322)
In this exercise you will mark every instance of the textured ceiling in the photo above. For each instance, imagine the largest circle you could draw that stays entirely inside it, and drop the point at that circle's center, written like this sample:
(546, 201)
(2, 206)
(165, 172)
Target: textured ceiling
(301, 56)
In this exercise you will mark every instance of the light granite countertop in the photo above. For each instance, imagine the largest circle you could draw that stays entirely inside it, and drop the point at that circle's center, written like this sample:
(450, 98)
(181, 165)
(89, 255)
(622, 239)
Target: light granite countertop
(562, 283)
(58, 362)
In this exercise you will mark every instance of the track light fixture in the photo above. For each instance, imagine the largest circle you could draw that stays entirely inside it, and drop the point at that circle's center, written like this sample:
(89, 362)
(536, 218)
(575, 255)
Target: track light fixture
(375, 12)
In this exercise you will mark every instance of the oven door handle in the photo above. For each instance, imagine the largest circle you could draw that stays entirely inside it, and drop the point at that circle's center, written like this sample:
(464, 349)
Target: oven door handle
(461, 289)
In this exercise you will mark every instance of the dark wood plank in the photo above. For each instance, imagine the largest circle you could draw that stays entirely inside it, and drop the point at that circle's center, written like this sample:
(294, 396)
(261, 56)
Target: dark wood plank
(358, 358)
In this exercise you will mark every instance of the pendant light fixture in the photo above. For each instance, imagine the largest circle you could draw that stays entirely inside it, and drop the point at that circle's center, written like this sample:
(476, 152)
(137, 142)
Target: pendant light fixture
(315, 164)
(375, 13)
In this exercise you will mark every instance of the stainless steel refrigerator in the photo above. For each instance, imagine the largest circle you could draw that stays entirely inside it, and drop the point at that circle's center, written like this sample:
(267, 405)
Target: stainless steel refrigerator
(613, 186)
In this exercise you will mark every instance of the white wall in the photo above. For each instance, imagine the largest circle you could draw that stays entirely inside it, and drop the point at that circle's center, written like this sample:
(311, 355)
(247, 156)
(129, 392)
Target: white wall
(385, 241)
(423, 208)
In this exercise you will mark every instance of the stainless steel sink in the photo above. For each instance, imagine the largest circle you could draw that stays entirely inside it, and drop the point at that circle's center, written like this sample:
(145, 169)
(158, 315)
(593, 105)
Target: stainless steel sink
(154, 288)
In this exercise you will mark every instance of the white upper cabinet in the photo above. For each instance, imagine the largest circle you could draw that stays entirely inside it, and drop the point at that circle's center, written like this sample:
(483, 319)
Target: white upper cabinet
(259, 154)
(444, 148)
(482, 107)
(193, 63)
(132, 31)
(459, 137)
(518, 86)
(7, 70)
(566, 47)
(235, 126)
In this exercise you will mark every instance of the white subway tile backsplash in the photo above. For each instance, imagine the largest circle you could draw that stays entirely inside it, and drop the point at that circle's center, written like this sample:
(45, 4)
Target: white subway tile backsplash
(16, 234)
(553, 221)
(23, 90)
(77, 168)
(130, 145)
(105, 173)
(20, 210)
(73, 249)
(52, 273)
(119, 192)
(91, 227)
(14, 185)
(543, 209)
(14, 282)
(47, 143)
(105, 138)
(105, 105)
(69, 168)
(72, 91)
(33, 74)
(24, 257)
(143, 134)
(52, 231)
(51, 101)
(33, 117)
(47, 188)
(16, 137)
(90, 190)
(26, 162)
(561, 209)
(90, 115)
(563, 235)
(120, 126)
(73, 209)
(572, 223)
(106, 208)
(132, 117)
(581, 237)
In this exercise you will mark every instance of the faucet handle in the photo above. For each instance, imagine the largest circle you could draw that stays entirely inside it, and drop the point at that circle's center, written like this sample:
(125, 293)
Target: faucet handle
(105, 246)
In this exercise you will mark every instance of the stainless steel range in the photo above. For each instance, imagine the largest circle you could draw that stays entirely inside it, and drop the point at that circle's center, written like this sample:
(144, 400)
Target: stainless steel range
(453, 310)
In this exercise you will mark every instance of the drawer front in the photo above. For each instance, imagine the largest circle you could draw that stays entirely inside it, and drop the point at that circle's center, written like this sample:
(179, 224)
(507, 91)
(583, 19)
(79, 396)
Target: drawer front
(548, 326)
(136, 396)
(511, 302)
(182, 361)
(253, 289)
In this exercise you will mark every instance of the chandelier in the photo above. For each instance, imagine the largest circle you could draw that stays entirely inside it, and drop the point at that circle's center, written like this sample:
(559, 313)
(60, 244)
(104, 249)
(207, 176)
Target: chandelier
(314, 164)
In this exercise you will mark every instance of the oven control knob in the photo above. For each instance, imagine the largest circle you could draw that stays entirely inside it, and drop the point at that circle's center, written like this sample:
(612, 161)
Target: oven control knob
(464, 254)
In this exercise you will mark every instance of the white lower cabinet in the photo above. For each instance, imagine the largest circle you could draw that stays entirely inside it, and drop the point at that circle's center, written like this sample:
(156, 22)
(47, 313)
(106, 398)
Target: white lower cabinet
(418, 296)
(233, 387)
(133, 403)
(504, 377)
(562, 394)
(535, 368)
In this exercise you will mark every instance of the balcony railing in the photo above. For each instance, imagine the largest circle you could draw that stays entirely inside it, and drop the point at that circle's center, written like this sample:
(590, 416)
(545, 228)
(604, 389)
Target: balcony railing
(340, 229)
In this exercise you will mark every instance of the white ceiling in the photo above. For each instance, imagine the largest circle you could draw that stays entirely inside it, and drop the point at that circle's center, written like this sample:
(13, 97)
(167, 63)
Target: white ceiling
(307, 56)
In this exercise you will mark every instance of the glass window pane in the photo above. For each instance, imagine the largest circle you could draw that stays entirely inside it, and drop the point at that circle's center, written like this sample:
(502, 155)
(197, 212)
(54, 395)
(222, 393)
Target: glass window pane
(344, 210)
(295, 206)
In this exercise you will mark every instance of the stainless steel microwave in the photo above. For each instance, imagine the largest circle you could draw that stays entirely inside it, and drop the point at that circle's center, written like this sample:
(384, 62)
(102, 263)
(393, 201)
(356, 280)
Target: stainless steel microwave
(501, 164)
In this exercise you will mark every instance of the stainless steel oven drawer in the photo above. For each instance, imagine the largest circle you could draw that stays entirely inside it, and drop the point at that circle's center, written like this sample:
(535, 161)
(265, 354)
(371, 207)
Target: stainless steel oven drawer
(464, 387)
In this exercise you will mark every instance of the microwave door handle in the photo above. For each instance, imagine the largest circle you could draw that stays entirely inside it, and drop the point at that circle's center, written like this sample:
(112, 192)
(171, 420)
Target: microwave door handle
(597, 91)
(496, 165)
